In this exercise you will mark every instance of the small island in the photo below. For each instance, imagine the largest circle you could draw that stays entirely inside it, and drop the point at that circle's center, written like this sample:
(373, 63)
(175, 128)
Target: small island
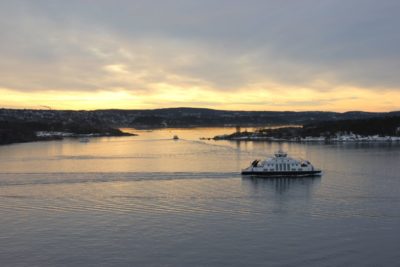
(386, 129)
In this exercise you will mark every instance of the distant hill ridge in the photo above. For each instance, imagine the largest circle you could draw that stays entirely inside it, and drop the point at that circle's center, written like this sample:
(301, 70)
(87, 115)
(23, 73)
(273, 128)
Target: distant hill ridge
(182, 117)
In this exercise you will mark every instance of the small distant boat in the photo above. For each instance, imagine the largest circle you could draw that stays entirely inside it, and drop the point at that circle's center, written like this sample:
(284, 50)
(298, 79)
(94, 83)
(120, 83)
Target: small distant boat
(175, 137)
(281, 165)
(84, 140)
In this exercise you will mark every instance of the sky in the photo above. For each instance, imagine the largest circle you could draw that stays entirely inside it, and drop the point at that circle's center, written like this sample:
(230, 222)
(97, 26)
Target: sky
(336, 55)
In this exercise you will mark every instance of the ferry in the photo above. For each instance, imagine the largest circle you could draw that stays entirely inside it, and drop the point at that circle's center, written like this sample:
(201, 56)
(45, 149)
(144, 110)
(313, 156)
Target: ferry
(281, 165)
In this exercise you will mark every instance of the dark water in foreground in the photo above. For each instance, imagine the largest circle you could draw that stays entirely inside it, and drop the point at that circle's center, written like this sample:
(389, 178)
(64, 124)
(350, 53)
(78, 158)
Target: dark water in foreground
(152, 201)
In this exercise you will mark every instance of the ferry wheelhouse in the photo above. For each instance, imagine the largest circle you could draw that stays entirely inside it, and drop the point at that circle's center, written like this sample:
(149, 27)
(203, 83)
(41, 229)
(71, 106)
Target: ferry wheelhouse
(281, 165)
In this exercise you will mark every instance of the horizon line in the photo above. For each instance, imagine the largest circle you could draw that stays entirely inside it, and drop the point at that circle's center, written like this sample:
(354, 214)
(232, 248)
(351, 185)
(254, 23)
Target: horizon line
(165, 108)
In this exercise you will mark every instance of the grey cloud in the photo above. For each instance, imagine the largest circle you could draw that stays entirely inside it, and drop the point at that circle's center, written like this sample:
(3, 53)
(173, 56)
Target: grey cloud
(221, 44)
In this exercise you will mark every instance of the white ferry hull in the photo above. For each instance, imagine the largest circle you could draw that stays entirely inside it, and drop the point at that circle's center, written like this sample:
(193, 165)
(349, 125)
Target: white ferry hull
(282, 173)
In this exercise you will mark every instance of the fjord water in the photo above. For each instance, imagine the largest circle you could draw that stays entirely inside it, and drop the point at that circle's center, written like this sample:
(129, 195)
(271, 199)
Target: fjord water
(149, 200)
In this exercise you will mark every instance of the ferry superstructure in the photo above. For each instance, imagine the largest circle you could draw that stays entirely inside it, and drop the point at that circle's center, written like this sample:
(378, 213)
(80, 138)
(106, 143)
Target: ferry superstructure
(281, 165)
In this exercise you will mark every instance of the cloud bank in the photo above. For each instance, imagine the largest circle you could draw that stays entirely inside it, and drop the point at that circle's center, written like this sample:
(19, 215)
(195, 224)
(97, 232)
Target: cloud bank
(270, 54)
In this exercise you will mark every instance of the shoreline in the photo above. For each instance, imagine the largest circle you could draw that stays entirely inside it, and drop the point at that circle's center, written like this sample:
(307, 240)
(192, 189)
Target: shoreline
(58, 136)
(310, 139)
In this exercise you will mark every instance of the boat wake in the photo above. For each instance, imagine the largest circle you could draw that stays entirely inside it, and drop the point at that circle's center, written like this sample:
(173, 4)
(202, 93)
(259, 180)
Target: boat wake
(12, 179)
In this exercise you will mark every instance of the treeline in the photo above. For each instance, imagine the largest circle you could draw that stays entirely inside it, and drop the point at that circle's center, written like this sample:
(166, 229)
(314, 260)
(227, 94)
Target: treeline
(184, 117)
(374, 126)
(194, 117)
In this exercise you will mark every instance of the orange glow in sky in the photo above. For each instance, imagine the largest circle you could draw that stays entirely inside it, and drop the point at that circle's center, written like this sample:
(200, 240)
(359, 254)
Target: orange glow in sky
(301, 99)
(254, 55)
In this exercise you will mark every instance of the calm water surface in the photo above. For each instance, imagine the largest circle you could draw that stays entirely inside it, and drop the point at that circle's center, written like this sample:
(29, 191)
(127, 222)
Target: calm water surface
(151, 201)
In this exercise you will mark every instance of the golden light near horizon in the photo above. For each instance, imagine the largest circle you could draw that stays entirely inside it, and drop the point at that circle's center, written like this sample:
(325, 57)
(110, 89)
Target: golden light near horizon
(297, 61)
(300, 99)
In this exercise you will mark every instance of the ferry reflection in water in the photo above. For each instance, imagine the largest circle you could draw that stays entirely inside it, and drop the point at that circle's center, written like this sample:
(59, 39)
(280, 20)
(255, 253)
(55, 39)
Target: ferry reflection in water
(282, 185)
